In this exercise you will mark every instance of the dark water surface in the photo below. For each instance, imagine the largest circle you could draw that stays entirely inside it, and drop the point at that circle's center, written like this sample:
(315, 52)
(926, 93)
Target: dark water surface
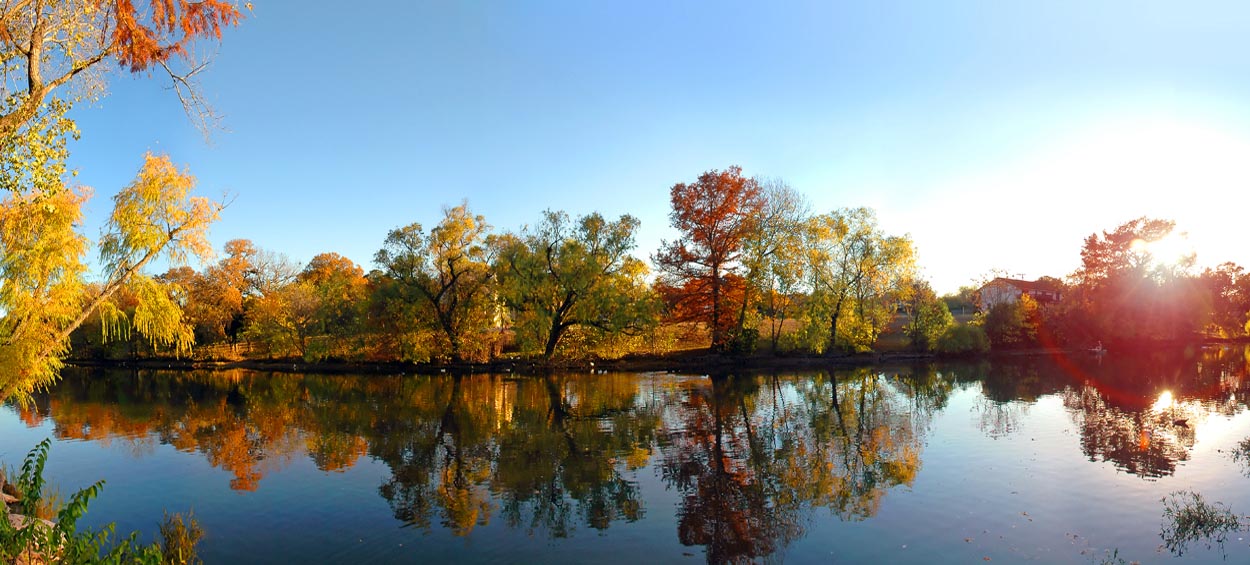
(1053, 460)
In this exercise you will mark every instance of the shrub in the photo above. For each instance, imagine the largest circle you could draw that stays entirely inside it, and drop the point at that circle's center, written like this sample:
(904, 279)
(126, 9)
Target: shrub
(963, 339)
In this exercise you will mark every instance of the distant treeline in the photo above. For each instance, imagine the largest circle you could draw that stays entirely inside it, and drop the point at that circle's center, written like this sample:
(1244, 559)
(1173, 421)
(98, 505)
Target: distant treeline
(753, 268)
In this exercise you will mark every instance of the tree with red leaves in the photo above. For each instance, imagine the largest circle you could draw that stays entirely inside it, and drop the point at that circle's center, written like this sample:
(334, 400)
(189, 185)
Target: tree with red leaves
(715, 215)
(45, 46)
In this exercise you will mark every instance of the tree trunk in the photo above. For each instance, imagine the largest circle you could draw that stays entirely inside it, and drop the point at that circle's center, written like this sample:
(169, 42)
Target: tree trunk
(718, 338)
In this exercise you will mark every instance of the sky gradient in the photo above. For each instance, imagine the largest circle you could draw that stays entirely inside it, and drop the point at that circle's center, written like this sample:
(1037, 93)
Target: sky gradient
(997, 134)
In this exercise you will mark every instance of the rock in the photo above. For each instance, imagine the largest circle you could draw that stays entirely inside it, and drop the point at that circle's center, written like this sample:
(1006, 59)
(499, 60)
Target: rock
(36, 555)
(20, 522)
(7, 499)
(11, 490)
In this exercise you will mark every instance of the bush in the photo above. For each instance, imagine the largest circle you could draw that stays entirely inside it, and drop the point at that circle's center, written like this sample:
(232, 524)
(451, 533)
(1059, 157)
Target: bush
(963, 339)
(62, 542)
(741, 341)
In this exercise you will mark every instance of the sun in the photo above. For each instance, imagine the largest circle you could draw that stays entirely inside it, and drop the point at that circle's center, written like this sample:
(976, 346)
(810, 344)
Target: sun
(1173, 249)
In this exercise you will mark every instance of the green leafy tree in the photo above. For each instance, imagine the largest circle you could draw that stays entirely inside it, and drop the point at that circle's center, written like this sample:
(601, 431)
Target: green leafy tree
(1013, 324)
(773, 256)
(566, 274)
(445, 277)
(857, 275)
(928, 316)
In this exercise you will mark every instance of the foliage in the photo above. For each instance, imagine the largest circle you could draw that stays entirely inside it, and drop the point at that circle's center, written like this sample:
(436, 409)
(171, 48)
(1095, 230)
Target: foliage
(44, 299)
(1226, 290)
(856, 274)
(179, 536)
(53, 51)
(962, 339)
(1124, 293)
(963, 301)
(1013, 324)
(443, 279)
(929, 317)
(564, 275)
(65, 543)
(1187, 517)
(324, 301)
(715, 215)
(773, 258)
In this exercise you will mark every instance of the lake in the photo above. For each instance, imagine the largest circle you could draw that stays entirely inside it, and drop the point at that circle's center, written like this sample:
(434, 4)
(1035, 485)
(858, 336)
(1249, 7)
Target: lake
(1052, 459)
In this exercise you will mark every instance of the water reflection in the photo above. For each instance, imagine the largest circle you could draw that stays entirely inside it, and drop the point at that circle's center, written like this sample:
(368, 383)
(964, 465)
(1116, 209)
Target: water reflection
(753, 459)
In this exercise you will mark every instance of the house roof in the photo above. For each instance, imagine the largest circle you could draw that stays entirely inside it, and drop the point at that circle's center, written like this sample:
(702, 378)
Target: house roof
(1025, 286)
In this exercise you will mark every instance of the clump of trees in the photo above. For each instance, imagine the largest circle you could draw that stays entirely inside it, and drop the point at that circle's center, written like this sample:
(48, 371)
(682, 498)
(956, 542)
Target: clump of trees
(751, 260)
(1127, 294)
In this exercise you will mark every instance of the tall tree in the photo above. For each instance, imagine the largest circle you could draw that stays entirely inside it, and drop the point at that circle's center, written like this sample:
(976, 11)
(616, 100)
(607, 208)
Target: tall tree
(44, 299)
(773, 255)
(855, 271)
(1124, 293)
(928, 316)
(563, 275)
(445, 275)
(715, 215)
(1227, 289)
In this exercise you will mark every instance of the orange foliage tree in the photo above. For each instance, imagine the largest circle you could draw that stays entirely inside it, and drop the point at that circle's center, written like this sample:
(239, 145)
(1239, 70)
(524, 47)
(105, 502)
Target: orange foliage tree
(47, 45)
(715, 215)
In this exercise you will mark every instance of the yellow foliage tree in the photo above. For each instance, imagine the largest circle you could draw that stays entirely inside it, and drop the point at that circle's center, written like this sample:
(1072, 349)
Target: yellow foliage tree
(43, 296)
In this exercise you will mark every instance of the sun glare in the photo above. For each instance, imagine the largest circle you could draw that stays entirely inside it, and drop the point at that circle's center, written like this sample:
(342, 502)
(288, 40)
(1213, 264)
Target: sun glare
(1173, 249)
(1164, 402)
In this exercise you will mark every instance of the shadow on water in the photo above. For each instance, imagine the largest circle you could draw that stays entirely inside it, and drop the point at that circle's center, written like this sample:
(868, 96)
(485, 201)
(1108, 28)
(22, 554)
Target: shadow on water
(754, 459)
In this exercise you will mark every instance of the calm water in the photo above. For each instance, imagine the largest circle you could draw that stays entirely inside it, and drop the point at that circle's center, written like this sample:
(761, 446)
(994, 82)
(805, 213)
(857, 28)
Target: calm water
(1053, 460)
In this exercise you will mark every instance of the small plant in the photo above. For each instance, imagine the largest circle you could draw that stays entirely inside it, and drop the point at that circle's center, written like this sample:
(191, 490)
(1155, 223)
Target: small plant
(34, 540)
(1242, 455)
(1113, 558)
(1188, 517)
(179, 536)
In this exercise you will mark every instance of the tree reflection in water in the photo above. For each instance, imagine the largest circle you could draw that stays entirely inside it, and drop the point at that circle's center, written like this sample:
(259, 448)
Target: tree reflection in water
(753, 459)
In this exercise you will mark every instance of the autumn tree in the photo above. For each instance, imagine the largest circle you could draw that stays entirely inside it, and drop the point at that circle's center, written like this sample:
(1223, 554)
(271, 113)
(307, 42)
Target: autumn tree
(44, 299)
(316, 314)
(1123, 292)
(55, 52)
(715, 215)
(444, 278)
(927, 316)
(563, 275)
(340, 288)
(773, 256)
(1227, 291)
(1013, 324)
(284, 319)
(856, 273)
(209, 303)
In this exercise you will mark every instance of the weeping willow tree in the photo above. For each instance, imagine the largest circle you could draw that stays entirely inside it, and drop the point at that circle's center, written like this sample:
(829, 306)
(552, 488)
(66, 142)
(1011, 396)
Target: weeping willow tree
(43, 295)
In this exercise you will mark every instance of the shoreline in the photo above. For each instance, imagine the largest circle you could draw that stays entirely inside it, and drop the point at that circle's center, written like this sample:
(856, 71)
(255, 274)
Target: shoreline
(697, 361)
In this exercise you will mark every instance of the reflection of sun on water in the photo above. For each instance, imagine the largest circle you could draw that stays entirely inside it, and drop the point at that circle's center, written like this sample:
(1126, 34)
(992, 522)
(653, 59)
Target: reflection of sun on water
(1164, 402)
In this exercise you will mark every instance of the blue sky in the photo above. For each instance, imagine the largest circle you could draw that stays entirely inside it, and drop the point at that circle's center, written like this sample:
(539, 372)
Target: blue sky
(998, 134)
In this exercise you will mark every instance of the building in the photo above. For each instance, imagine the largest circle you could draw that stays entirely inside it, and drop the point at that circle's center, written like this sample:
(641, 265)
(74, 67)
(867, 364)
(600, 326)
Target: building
(1008, 291)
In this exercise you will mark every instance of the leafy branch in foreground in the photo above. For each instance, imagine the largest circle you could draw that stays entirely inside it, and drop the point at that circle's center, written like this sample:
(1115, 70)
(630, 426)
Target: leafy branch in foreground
(30, 540)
